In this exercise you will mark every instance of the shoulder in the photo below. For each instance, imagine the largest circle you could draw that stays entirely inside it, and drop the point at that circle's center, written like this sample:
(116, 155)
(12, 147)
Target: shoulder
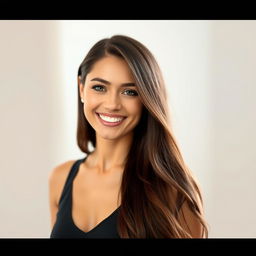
(61, 170)
(189, 220)
(57, 178)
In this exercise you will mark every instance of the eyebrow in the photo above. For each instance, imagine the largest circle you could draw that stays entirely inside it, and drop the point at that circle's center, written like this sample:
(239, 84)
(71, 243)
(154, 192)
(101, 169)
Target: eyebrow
(108, 83)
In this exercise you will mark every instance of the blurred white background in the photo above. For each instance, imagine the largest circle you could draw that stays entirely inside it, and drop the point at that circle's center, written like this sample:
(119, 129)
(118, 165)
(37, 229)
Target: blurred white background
(209, 70)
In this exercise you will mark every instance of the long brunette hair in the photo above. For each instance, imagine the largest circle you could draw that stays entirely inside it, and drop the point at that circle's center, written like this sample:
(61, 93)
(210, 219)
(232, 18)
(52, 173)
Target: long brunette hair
(154, 167)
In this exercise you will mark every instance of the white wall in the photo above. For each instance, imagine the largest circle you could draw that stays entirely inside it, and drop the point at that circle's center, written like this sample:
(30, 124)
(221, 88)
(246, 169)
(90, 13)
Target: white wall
(208, 68)
(31, 124)
(233, 82)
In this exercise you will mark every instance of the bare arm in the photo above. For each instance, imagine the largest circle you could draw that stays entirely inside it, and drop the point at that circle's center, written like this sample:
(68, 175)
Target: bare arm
(56, 181)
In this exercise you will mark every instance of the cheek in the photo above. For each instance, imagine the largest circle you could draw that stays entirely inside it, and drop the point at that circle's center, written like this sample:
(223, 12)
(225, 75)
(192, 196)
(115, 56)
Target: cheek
(91, 101)
(136, 108)
(90, 104)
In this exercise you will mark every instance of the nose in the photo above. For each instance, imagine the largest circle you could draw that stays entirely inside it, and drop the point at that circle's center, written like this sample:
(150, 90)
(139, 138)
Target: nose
(112, 102)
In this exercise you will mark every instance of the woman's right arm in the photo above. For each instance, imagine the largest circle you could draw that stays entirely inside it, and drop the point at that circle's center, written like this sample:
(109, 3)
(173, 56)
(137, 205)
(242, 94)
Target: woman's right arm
(56, 182)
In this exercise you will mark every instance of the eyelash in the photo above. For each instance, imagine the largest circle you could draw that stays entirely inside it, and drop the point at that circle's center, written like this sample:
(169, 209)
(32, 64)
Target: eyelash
(135, 93)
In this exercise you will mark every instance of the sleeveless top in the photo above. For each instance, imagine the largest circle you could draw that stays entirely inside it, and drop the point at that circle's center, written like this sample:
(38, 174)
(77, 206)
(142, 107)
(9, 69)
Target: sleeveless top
(65, 227)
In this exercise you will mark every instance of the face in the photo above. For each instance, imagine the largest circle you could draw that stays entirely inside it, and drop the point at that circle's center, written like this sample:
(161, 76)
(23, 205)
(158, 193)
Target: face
(111, 102)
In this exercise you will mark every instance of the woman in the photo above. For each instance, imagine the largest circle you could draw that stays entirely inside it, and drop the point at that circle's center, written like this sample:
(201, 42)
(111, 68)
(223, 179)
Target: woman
(134, 182)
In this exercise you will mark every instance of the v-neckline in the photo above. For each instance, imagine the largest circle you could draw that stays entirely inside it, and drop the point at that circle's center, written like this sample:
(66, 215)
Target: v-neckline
(71, 207)
(95, 227)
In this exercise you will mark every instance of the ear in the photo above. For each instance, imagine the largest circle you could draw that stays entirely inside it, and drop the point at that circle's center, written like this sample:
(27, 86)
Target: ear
(81, 86)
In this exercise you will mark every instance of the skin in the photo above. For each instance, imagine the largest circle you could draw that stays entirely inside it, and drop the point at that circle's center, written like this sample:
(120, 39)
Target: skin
(96, 186)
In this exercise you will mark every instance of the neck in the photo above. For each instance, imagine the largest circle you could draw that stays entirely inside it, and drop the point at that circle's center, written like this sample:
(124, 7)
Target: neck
(110, 154)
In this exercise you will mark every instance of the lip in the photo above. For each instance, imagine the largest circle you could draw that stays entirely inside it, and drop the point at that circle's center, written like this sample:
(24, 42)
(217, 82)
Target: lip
(109, 124)
(110, 115)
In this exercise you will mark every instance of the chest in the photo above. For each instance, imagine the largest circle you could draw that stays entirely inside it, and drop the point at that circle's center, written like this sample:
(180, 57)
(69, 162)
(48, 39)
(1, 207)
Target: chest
(94, 198)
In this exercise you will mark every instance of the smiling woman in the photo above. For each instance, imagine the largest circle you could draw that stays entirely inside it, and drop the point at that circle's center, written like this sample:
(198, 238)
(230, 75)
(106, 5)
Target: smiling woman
(134, 183)
(107, 93)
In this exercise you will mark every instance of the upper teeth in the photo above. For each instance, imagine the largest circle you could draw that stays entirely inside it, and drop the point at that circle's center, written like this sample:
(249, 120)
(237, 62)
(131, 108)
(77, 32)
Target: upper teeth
(110, 119)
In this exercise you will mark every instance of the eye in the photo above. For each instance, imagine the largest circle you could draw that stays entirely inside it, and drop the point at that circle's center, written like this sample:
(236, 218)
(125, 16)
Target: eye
(131, 93)
(97, 86)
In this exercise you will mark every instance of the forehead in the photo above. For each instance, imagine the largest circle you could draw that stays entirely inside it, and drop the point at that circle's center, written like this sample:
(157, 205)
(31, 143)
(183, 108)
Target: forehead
(111, 68)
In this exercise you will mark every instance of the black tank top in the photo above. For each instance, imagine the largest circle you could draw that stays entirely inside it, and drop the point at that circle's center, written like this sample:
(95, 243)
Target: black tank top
(65, 227)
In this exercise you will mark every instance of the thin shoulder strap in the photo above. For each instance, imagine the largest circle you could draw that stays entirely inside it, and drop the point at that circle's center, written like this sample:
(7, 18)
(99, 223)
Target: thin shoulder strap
(72, 173)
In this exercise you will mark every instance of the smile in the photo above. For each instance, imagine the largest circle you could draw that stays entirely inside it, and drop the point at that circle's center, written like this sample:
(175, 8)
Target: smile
(110, 121)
